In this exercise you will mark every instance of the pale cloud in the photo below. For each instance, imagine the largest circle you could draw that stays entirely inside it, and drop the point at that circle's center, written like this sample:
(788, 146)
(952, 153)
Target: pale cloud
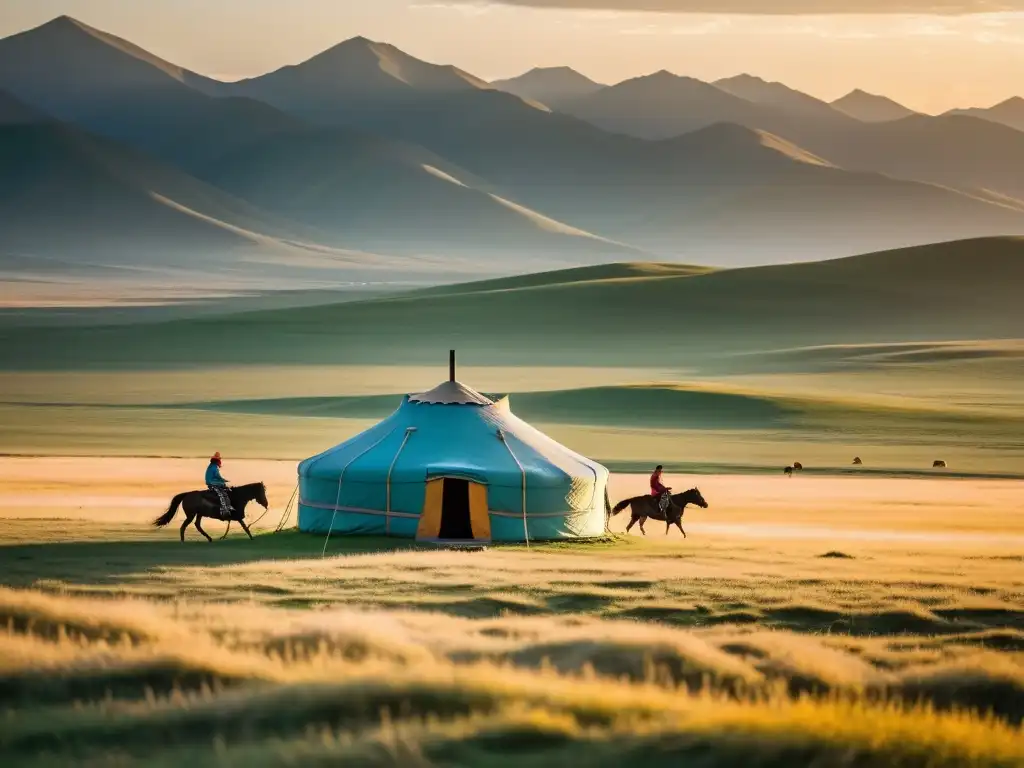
(464, 8)
(981, 28)
(775, 7)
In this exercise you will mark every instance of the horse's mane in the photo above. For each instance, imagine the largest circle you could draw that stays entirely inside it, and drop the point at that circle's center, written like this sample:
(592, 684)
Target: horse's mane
(250, 486)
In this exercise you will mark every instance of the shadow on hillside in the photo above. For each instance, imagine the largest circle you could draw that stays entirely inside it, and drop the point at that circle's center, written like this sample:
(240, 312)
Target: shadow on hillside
(108, 562)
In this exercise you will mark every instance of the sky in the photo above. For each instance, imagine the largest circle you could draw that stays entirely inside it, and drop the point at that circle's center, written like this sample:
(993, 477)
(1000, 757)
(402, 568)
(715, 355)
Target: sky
(930, 54)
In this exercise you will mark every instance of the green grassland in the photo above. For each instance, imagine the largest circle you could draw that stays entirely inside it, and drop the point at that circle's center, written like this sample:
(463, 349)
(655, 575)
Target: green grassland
(144, 652)
(906, 356)
(965, 291)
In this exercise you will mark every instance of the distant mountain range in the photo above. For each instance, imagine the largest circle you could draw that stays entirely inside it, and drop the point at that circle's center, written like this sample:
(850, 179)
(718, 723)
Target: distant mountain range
(366, 158)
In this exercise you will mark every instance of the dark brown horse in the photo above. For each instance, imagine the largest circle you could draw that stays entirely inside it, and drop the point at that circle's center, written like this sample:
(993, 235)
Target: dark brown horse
(646, 506)
(200, 504)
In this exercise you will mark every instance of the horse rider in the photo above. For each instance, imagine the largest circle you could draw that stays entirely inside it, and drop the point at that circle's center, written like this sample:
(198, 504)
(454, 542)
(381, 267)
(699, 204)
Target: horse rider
(659, 490)
(216, 483)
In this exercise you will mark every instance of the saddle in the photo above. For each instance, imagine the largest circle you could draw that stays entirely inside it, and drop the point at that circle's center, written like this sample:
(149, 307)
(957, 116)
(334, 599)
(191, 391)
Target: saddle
(664, 500)
(213, 500)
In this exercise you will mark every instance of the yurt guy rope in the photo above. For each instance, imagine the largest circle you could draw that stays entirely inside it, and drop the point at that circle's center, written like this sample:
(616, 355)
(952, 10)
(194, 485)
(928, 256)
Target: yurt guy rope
(387, 507)
(287, 511)
(522, 472)
(341, 477)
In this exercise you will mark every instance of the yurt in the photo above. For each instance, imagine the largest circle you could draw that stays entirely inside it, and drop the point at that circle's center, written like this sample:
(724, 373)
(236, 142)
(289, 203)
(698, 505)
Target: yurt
(453, 465)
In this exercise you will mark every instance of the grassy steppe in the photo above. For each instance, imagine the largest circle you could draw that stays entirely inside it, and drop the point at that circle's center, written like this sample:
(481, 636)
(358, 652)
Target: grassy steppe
(721, 650)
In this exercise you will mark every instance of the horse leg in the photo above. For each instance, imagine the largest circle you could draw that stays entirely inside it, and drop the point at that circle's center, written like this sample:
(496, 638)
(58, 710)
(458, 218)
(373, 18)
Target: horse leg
(226, 531)
(186, 524)
(679, 525)
(642, 526)
(200, 529)
(632, 520)
(668, 527)
(245, 528)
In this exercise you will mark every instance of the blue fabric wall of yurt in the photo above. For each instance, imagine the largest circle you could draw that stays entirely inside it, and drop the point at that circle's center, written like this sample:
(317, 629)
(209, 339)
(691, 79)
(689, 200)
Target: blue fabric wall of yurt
(376, 483)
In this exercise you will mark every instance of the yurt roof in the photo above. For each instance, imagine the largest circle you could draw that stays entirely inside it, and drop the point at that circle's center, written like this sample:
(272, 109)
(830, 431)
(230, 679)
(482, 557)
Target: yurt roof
(451, 393)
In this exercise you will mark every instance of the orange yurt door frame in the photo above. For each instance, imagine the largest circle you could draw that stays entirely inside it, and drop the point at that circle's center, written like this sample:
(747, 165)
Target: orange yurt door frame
(429, 528)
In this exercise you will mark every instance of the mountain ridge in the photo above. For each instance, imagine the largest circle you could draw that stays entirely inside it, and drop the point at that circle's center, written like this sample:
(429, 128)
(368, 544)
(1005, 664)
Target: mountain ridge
(870, 107)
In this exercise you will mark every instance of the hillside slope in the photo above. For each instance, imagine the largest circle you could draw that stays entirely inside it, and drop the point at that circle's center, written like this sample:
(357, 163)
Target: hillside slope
(72, 197)
(725, 195)
(394, 197)
(14, 111)
(954, 150)
(961, 290)
(963, 152)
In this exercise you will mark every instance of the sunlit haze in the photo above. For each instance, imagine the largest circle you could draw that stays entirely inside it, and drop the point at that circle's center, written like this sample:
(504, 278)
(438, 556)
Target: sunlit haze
(933, 56)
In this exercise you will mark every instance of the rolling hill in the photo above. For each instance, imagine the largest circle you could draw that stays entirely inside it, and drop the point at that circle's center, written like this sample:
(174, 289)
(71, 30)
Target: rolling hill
(960, 290)
(551, 86)
(871, 108)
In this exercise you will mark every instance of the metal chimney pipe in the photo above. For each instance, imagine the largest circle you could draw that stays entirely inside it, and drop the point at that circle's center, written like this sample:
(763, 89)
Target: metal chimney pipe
(451, 365)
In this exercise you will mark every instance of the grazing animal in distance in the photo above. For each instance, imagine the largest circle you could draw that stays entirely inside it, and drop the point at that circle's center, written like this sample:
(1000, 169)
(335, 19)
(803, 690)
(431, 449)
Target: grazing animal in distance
(857, 461)
(788, 471)
(646, 506)
(798, 466)
(938, 464)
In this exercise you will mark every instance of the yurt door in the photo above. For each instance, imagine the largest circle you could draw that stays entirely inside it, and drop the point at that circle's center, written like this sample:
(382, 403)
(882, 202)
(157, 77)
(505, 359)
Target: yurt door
(455, 509)
(455, 522)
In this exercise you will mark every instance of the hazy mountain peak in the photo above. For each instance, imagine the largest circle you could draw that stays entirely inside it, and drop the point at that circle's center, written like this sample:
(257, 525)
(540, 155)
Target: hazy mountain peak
(65, 31)
(778, 96)
(1014, 104)
(67, 61)
(870, 107)
(357, 67)
(1009, 113)
(561, 74)
(666, 80)
(744, 77)
(549, 85)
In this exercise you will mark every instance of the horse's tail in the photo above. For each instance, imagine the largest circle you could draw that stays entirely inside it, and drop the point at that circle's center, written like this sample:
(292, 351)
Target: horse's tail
(172, 510)
(621, 506)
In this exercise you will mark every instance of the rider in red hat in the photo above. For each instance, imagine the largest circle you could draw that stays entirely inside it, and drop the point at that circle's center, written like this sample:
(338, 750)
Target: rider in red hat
(216, 483)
